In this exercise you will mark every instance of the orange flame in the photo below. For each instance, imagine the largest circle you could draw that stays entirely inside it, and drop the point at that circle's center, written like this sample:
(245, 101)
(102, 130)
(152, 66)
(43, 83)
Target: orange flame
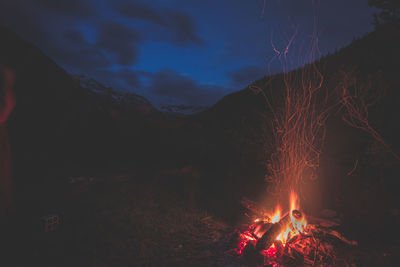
(296, 226)
(277, 216)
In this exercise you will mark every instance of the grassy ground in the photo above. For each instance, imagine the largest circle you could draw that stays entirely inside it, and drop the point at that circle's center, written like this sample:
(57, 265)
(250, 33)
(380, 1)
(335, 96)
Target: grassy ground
(120, 224)
(131, 223)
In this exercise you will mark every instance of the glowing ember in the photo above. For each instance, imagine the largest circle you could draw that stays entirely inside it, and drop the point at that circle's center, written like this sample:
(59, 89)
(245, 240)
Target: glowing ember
(281, 237)
(295, 226)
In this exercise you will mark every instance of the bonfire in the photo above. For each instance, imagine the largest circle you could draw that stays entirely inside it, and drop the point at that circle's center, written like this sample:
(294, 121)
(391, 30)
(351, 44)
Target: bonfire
(287, 238)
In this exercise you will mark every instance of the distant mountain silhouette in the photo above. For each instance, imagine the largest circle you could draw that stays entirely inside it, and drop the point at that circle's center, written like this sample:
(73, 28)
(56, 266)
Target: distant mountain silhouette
(128, 101)
(72, 123)
(181, 109)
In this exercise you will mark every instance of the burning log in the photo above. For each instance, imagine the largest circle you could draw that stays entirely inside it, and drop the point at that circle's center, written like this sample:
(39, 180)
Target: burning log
(288, 240)
(269, 237)
(260, 228)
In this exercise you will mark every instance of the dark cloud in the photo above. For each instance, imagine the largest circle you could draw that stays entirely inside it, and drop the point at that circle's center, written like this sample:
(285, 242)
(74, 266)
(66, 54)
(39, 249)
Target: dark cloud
(181, 25)
(116, 45)
(129, 79)
(120, 40)
(77, 8)
(74, 37)
(246, 75)
(184, 27)
(170, 86)
(141, 11)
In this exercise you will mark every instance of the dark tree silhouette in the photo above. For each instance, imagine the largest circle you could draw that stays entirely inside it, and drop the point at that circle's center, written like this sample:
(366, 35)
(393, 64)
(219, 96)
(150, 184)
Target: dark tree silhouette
(389, 12)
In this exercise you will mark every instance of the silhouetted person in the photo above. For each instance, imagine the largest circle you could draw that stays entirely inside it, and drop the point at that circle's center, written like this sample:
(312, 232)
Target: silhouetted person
(7, 103)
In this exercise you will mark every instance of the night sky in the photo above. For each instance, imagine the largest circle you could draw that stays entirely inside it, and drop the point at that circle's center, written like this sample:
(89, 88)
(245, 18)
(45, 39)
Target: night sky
(182, 51)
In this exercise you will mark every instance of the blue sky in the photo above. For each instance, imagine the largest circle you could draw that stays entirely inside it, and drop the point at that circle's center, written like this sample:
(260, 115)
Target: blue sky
(177, 51)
